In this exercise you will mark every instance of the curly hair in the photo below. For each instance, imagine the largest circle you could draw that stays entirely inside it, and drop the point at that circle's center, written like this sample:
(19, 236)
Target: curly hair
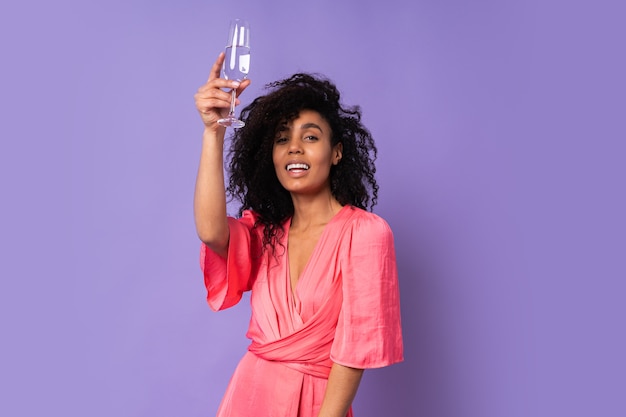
(253, 179)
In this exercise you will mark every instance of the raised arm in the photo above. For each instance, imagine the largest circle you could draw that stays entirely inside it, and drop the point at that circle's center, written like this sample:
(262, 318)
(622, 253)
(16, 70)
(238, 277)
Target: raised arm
(210, 195)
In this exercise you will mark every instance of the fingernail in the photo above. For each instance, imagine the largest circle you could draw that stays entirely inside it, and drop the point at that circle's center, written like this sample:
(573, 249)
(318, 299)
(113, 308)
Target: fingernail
(235, 84)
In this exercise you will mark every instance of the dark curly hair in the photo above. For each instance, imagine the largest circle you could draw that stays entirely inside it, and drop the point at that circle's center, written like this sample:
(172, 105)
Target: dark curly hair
(253, 179)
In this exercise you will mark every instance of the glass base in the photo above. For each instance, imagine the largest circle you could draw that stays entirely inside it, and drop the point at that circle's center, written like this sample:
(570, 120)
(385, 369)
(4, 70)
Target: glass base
(231, 121)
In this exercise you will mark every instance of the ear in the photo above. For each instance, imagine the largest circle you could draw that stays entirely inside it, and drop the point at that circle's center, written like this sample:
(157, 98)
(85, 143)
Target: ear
(337, 153)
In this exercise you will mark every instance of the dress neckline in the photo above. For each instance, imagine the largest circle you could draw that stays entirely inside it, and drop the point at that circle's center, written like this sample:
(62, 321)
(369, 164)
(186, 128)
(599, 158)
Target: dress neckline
(314, 254)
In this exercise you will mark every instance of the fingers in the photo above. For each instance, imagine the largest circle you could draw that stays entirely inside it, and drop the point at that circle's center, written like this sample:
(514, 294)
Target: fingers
(218, 88)
(207, 101)
(216, 71)
(242, 86)
(206, 105)
(217, 67)
(215, 96)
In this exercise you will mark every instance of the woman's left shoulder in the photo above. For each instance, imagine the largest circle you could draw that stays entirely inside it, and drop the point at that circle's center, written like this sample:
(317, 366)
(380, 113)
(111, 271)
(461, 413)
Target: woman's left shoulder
(369, 223)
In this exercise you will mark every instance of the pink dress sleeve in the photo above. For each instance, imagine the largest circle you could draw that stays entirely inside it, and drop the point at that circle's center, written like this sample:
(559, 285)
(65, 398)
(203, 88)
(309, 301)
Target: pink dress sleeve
(227, 278)
(369, 333)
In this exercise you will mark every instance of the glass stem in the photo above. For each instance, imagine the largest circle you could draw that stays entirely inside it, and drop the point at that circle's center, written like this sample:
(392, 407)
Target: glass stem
(233, 96)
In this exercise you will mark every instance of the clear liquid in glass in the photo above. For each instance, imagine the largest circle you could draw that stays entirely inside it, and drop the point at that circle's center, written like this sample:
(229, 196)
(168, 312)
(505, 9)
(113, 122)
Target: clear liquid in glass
(237, 63)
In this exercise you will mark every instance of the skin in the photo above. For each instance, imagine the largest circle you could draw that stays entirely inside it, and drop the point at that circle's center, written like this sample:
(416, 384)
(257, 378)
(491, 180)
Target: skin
(210, 195)
(307, 139)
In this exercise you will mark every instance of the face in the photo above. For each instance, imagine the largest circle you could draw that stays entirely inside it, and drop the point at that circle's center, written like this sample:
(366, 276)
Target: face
(303, 154)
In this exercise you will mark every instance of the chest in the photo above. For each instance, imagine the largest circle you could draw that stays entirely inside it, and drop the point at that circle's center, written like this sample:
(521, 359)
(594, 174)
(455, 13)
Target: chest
(303, 277)
(300, 248)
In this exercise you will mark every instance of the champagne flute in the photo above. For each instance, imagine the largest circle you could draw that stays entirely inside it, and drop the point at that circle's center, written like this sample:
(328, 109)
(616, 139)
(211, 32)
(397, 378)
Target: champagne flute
(236, 64)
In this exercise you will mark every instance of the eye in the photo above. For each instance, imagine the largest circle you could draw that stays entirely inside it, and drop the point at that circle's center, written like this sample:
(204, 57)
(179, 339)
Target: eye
(310, 138)
(280, 140)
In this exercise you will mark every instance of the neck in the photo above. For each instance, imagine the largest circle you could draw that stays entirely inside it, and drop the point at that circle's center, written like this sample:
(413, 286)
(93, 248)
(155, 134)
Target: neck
(311, 212)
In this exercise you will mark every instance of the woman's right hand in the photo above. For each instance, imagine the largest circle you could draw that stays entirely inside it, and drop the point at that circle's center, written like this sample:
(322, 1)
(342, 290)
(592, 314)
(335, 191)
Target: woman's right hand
(212, 102)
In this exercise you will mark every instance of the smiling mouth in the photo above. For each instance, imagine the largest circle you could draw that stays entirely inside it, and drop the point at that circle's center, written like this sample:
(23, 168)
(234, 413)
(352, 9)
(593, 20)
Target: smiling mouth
(297, 167)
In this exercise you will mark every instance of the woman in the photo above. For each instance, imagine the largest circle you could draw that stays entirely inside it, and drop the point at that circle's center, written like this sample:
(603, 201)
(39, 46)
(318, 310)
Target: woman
(322, 272)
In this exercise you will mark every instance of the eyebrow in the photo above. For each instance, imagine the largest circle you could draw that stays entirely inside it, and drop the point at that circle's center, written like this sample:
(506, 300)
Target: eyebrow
(311, 125)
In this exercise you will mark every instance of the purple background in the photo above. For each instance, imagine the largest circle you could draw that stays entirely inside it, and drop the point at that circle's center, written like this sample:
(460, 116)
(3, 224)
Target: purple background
(500, 126)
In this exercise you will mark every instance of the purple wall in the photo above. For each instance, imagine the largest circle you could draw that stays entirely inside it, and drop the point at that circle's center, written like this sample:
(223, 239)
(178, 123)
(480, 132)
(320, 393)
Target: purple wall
(501, 138)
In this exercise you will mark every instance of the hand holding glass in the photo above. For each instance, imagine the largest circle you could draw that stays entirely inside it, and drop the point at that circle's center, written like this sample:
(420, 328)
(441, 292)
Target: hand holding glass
(236, 64)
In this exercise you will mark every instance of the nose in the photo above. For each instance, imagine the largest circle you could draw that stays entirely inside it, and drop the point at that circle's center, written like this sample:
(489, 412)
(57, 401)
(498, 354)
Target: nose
(294, 145)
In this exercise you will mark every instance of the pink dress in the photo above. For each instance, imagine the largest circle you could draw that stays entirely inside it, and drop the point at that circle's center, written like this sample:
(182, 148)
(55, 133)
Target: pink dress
(345, 309)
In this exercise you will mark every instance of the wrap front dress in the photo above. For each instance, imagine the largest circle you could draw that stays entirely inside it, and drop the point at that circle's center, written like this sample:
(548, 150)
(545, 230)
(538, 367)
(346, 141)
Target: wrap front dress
(344, 309)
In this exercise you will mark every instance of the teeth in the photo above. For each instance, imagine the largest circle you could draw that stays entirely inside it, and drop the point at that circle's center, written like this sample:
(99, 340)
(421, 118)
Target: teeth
(297, 166)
